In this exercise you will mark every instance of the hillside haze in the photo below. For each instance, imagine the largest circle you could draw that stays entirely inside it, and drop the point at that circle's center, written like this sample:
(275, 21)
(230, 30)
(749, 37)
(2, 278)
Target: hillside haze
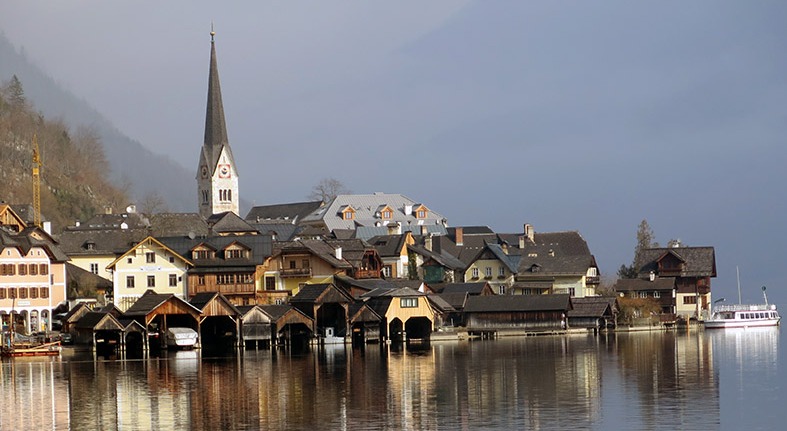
(146, 175)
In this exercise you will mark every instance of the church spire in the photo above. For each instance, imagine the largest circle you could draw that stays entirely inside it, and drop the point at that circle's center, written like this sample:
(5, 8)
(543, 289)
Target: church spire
(217, 175)
(215, 126)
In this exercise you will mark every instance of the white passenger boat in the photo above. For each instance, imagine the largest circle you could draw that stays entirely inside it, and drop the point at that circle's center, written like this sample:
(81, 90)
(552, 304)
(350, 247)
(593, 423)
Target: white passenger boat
(744, 315)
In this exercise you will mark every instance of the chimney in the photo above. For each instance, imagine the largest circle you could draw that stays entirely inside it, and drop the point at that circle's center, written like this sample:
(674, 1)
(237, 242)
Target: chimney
(460, 236)
(504, 246)
(408, 209)
(521, 242)
(428, 242)
(394, 228)
(424, 230)
(530, 232)
(652, 276)
(338, 253)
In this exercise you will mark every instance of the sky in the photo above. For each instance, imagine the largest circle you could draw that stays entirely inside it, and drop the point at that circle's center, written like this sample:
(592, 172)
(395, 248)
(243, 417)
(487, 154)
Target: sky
(582, 116)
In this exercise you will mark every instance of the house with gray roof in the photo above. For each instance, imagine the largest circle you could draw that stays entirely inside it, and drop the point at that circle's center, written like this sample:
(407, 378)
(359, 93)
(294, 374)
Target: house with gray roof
(692, 268)
(291, 213)
(555, 263)
(376, 209)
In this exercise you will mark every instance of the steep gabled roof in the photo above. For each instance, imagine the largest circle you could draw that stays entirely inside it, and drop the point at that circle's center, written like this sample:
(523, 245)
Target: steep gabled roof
(97, 320)
(151, 241)
(151, 300)
(443, 259)
(321, 293)
(593, 306)
(229, 222)
(100, 242)
(698, 261)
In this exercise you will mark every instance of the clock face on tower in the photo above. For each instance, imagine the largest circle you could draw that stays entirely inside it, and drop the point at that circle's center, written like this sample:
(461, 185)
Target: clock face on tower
(224, 171)
(204, 171)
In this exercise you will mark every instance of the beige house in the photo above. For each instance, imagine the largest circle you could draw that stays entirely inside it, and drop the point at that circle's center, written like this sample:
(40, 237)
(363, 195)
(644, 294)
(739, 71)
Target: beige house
(32, 279)
(406, 313)
(149, 265)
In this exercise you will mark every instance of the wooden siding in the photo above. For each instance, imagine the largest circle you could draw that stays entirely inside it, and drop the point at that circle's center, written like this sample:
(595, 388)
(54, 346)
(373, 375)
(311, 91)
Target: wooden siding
(542, 320)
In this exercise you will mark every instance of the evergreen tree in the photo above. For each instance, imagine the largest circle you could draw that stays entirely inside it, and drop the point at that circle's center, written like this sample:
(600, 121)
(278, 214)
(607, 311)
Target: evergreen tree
(644, 241)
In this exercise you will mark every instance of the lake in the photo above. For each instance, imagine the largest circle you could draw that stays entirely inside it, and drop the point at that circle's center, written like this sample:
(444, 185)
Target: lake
(723, 379)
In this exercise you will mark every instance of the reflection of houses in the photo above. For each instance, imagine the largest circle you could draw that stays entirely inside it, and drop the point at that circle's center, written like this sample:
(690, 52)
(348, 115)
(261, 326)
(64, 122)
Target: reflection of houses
(518, 312)
(593, 312)
(32, 276)
(692, 268)
(328, 306)
(149, 265)
(555, 263)
(405, 313)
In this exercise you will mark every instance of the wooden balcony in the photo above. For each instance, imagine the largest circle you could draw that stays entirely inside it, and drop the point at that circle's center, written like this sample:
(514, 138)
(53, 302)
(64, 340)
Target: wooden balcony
(224, 289)
(592, 279)
(295, 272)
(367, 273)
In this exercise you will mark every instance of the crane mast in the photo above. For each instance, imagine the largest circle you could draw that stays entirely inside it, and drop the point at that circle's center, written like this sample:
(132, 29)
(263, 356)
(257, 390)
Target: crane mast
(36, 183)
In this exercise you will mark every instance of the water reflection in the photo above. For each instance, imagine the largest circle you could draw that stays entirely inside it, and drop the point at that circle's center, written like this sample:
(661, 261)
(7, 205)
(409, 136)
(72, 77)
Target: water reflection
(640, 381)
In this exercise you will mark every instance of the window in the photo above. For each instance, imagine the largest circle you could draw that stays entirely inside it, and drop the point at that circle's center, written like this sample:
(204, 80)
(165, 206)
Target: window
(33, 293)
(130, 281)
(689, 299)
(292, 264)
(43, 269)
(488, 271)
(234, 254)
(270, 283)
(572, 291)
(173, 280)
(150, 257)
(12, 292)
(421, 214)
(657, 294)
(200, 254)
(22, 293)
(501, 272)
(94, 268)
(22, 269)
(305, 263)
(348, 215)
(44, 291)
(172, 259)
(201, 280)
(2, 293)
(130, 260)
(408, 302)
(33, 269)
(643, 295)
(501, 290)
(8, 269)
(475, 272)
(387, 271)
(151, 281)
(387, 215)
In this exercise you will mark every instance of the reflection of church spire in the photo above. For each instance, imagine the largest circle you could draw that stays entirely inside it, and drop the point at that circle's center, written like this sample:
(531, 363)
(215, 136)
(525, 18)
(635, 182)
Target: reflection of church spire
(215, 126)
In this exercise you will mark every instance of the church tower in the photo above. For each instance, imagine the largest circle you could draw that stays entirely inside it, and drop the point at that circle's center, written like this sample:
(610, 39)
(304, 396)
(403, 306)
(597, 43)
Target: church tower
(217, 177)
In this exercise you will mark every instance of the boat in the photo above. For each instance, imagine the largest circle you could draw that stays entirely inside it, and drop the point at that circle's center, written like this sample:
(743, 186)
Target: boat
(744, 315)
(184, 338)
(46, 349)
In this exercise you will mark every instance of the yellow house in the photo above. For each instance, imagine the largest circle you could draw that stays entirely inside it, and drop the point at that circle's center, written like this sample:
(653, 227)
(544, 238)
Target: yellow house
(32, 279)
(149, 265)
(406, 313)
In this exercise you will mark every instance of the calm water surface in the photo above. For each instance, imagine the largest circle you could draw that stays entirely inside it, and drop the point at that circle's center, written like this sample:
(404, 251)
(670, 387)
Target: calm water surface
(725, 379)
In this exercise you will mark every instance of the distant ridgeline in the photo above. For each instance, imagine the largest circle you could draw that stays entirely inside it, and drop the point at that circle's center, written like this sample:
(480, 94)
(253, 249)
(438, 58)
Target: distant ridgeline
(74, 172)
(137, 170)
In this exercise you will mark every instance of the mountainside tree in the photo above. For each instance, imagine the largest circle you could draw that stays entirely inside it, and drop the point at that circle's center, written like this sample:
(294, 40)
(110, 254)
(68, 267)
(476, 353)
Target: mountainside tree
(74, 173)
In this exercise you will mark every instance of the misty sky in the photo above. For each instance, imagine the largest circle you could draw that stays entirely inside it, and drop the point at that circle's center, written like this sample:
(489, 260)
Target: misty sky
(586, 116)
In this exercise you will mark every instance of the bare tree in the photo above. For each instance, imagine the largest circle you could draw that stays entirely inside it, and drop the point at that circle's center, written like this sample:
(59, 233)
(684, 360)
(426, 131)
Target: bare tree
(327, 189)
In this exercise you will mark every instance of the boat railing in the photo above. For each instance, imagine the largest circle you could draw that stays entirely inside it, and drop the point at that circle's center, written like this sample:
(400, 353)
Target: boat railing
(745, 307)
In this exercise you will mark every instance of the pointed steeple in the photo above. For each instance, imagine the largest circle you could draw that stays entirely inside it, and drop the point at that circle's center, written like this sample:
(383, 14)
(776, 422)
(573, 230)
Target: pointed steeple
(215, 126)
(217, 175)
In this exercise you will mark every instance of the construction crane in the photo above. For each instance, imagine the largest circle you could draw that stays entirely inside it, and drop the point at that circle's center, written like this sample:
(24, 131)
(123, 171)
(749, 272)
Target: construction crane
(36, 183)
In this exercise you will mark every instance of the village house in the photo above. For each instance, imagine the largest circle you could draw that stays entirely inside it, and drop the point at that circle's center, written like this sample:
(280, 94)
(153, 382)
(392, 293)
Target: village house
(392, 250)
(32, 277)
(692, 268)
(555, 263)
(406, 313)
(148, 265)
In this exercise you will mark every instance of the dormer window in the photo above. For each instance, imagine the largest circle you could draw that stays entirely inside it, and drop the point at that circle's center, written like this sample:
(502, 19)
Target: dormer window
(421, 212)
(90, 245)
(347, 213)
(386, 214)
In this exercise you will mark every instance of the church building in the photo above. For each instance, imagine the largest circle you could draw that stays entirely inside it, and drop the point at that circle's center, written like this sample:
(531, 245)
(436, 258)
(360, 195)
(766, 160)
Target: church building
(217, 176)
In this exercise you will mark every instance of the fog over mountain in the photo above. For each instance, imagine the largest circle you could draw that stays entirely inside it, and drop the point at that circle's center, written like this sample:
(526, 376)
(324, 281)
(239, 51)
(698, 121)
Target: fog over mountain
(569, 116)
